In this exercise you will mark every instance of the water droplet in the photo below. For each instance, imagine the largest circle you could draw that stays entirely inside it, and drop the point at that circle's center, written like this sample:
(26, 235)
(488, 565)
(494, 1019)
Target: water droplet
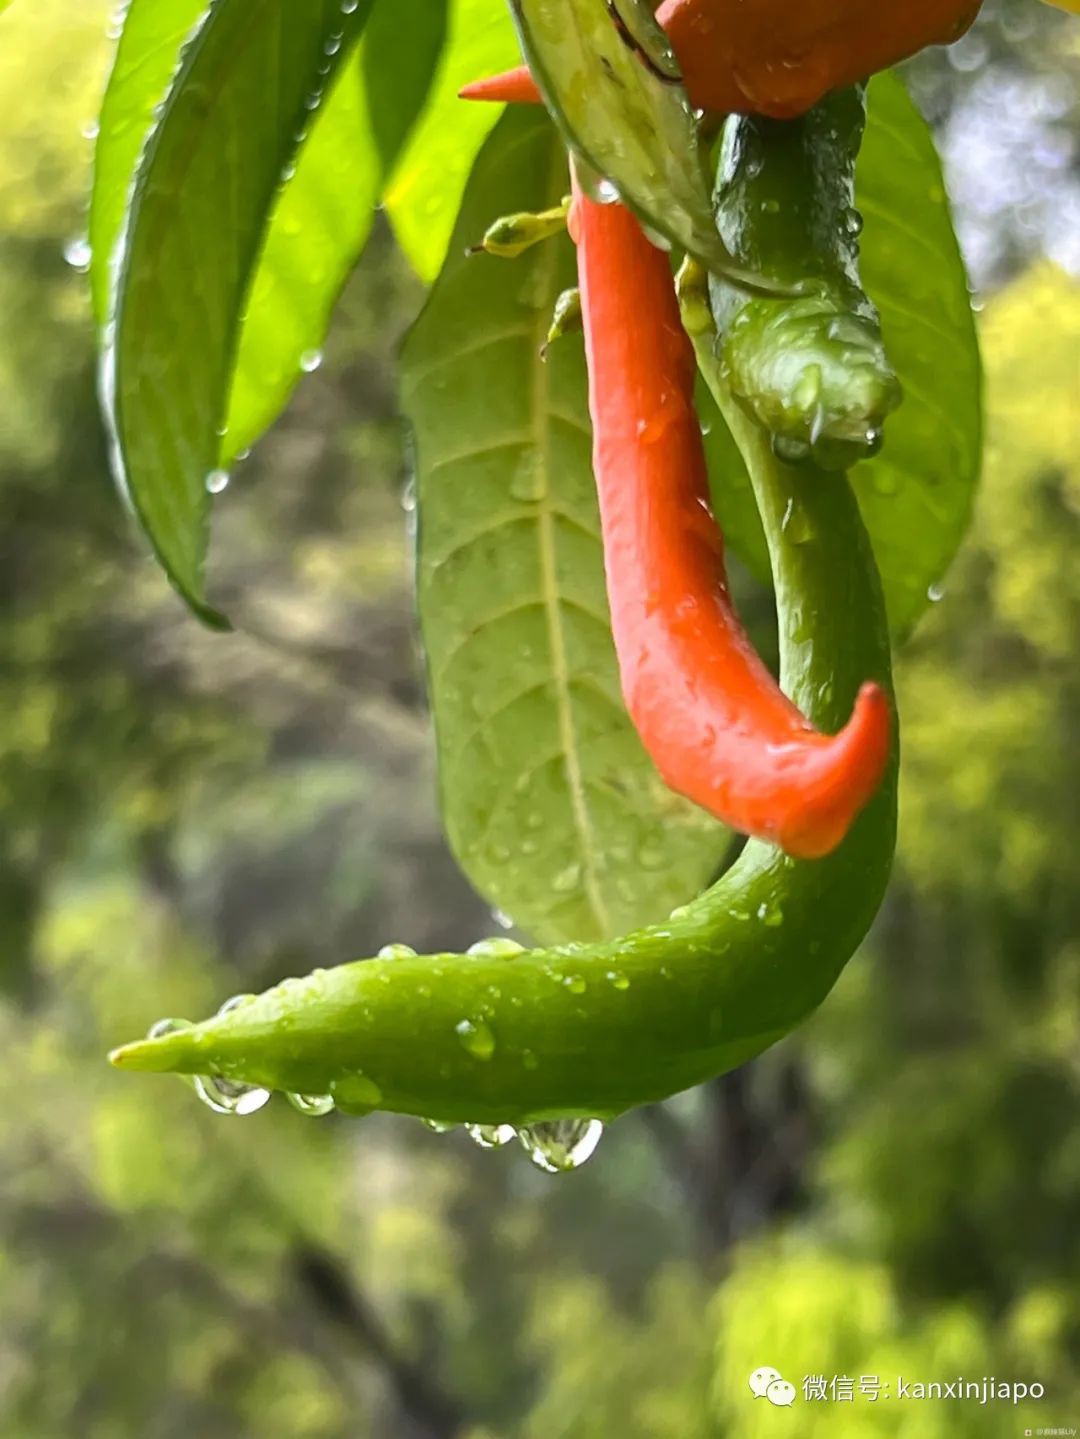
(78, 254)
(772, 916)
(498, 947)
(617, 979)
(439, 1126)
(853, 222)
(314, 1105)
(238, 1001)
(310, 361)
(560, 1145)
(567, 879)
(348, 7)
(575, 983)
(216, 481)
(502, 919)
(491, 1136)
(935, 593)
(90, 130)
(652, 853)
(356, 1094)
(796, 524)
(528, 480)
(226, 1096)
(476, 1038)
(396, 951)
(163, 1027)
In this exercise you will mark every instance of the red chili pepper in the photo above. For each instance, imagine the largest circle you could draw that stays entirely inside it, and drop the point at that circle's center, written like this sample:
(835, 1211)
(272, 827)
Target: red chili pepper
(775, 57)
(708, 711)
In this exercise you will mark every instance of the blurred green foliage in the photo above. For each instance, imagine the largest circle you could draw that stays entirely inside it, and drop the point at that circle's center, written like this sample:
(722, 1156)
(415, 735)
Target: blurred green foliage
(894, 1191)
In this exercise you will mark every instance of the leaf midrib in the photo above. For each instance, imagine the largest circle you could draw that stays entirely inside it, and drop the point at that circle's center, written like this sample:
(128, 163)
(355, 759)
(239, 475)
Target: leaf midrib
(545, 531)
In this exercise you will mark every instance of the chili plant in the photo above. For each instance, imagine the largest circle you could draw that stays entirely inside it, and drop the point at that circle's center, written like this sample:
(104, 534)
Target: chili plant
(778, 357)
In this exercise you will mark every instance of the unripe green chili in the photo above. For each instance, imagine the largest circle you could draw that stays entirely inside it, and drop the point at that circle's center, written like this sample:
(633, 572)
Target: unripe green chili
(506, 1037)
(813, 370)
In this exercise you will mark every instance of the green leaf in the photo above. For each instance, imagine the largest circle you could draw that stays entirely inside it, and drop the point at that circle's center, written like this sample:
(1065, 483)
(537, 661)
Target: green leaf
(145, 59)
(423, 200)
(916, 496)
(550, 803)
(322, 218)
(615, 92)
(206, 183)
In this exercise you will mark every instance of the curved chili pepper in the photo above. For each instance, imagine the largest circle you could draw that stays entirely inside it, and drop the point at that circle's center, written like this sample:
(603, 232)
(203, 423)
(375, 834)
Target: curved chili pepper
(772, 57)
(713, 719)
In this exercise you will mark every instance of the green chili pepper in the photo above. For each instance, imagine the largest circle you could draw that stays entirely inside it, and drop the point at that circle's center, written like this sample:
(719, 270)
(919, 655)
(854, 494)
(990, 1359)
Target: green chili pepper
(506, 1036)
(813, 370)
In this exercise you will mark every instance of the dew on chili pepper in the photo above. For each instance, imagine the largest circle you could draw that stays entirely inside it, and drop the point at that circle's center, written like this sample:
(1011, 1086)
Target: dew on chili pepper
(498, 947)
(476, 1038)
(396, 951)
(438, 1126)
(491, 1136)
(312, 1105)
(224, 1096)
(559, 1146)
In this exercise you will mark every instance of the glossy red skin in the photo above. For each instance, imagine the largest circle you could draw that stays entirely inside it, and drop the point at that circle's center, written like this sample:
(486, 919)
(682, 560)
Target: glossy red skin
(778, 57)
(708, 711)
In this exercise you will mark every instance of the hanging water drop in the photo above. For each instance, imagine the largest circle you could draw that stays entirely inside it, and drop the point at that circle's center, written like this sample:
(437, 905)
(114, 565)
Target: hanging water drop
(476, 1038)
(313, 1105)
(349, 7)
(310, 361)
(438, 1126)
(225, 1096)
(491, 1136)
(502, 919)
(217, 481)
(560, 1145)
(935, 593)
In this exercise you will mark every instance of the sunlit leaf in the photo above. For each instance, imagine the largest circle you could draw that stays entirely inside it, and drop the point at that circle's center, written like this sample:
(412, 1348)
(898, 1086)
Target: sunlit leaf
(423, 200)
(550, 803)
(320, 220)
(234, 117)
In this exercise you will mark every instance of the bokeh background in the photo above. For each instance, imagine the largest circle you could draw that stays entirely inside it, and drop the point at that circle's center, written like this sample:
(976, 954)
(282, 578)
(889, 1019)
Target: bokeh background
(894, 1190)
